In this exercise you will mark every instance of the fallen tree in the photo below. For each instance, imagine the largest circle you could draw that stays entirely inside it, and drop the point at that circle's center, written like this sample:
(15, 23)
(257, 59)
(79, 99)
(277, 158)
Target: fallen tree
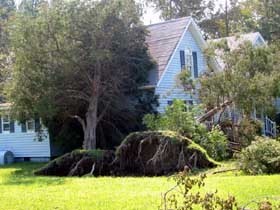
(158, 153)
(150, 153)
(209, 114)
(79, 163)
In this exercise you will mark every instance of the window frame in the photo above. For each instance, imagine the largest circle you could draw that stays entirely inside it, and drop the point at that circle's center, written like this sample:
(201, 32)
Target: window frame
(4, 123)
(27, 128)
(189, 59)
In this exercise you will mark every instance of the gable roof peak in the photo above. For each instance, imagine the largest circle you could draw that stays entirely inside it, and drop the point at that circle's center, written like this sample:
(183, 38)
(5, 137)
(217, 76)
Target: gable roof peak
(162, 41)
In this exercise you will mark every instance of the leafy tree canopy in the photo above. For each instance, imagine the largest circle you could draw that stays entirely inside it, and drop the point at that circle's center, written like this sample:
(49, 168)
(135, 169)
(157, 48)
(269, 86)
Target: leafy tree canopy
(80, 59)
(249, 78)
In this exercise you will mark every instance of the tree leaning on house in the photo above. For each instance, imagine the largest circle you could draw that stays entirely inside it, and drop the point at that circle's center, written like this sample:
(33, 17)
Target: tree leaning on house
(79, 59)
(248, 79)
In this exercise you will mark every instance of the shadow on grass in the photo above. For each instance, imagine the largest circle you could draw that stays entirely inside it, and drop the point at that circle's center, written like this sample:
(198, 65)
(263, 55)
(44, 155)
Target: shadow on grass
(22, 174)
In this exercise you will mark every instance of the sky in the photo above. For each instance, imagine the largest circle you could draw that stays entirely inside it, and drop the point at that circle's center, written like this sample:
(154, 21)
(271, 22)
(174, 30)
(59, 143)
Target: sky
(151, 16)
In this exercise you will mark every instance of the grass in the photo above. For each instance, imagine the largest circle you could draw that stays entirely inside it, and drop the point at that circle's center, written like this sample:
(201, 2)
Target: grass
(20, 190)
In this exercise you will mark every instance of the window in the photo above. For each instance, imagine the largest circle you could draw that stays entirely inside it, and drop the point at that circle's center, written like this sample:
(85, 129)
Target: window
(182, 59)
(6, 124)
(195, 67)
(30, 125)
(189, 60)
(169, 103)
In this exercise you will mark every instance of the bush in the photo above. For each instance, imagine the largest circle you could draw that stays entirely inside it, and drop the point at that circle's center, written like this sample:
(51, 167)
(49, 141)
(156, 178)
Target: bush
(215, 143)
(262, 156)
(181, 118)
(178, 117)
(248, 130)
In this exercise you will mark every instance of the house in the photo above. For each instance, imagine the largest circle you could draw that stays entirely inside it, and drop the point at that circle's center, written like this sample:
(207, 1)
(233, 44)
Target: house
(21, 138)
(174, 45)
(177, 44)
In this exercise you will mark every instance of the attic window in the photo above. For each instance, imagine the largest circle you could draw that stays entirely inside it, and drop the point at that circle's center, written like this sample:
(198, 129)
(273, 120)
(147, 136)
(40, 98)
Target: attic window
(188, 58)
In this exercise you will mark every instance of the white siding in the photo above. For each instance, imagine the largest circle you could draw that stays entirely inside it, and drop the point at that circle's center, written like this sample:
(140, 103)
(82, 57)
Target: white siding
(25, 144)
(167, 90)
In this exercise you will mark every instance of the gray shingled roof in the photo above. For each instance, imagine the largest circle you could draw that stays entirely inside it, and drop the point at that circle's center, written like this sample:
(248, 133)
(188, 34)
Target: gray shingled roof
(162, 41)
(235, 41)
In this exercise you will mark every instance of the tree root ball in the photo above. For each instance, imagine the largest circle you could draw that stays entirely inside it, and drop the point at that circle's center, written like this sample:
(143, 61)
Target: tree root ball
(154, 153)
(79, 163)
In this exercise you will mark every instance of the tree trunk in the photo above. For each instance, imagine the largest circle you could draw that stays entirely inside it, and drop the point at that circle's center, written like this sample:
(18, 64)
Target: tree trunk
(90, 127)
(213, 111)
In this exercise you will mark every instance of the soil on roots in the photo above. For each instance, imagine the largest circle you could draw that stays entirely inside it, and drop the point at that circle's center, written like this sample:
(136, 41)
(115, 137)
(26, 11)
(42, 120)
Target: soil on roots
(79, 163)
(154, 153)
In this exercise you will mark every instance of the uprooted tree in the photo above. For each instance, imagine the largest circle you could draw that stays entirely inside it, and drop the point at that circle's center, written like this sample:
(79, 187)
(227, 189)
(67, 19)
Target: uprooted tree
(151, 153)
(158, 153)
(79, 59)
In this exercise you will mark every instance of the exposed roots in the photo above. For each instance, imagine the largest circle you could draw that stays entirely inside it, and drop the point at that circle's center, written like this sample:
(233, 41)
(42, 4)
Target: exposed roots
(158, 153)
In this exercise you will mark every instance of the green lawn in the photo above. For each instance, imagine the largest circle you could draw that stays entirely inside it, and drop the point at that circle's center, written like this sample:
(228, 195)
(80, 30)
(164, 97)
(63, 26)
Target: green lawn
(19, 189)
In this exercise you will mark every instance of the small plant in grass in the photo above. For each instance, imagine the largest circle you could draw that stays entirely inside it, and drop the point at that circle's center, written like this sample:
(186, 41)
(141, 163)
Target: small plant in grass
(186, 195)
(262, 156)
(182, 197)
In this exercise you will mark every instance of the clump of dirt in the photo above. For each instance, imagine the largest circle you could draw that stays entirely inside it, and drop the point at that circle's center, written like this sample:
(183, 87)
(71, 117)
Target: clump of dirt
(154, 153)
(79, 163)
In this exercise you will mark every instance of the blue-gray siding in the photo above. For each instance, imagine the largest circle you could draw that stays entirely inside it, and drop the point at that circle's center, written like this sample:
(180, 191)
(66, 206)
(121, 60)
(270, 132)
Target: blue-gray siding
(167, 89)
(25, 144)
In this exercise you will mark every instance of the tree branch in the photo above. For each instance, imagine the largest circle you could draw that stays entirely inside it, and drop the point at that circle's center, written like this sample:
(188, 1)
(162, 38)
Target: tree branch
(80, 120)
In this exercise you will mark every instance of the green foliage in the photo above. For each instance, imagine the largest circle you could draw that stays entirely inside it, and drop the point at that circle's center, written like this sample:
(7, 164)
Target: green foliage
(185, 80)
(261, 157)
(178, 117)
(248, 79)
(7, 9)
(188, 194)
(181, 118)
(186, 199)
(248, 130)
(216, 144)
(173, 9)
(77, 57)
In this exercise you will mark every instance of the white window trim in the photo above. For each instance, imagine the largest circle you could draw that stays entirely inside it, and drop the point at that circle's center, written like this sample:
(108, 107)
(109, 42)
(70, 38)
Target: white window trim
(2, 123)
(189, 59)
(26, 125)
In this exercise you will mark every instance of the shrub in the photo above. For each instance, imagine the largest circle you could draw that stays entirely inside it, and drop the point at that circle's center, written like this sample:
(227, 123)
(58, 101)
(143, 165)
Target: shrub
(178, 117)
(262, 156)
(181, 118)
(248, 130)
(215, 143)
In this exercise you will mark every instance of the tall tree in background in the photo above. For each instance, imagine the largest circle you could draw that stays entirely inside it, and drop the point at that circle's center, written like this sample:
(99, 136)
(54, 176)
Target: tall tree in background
(215, 20)
(171, 9)
(79, 59)
(266, 14)
(7, 9)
